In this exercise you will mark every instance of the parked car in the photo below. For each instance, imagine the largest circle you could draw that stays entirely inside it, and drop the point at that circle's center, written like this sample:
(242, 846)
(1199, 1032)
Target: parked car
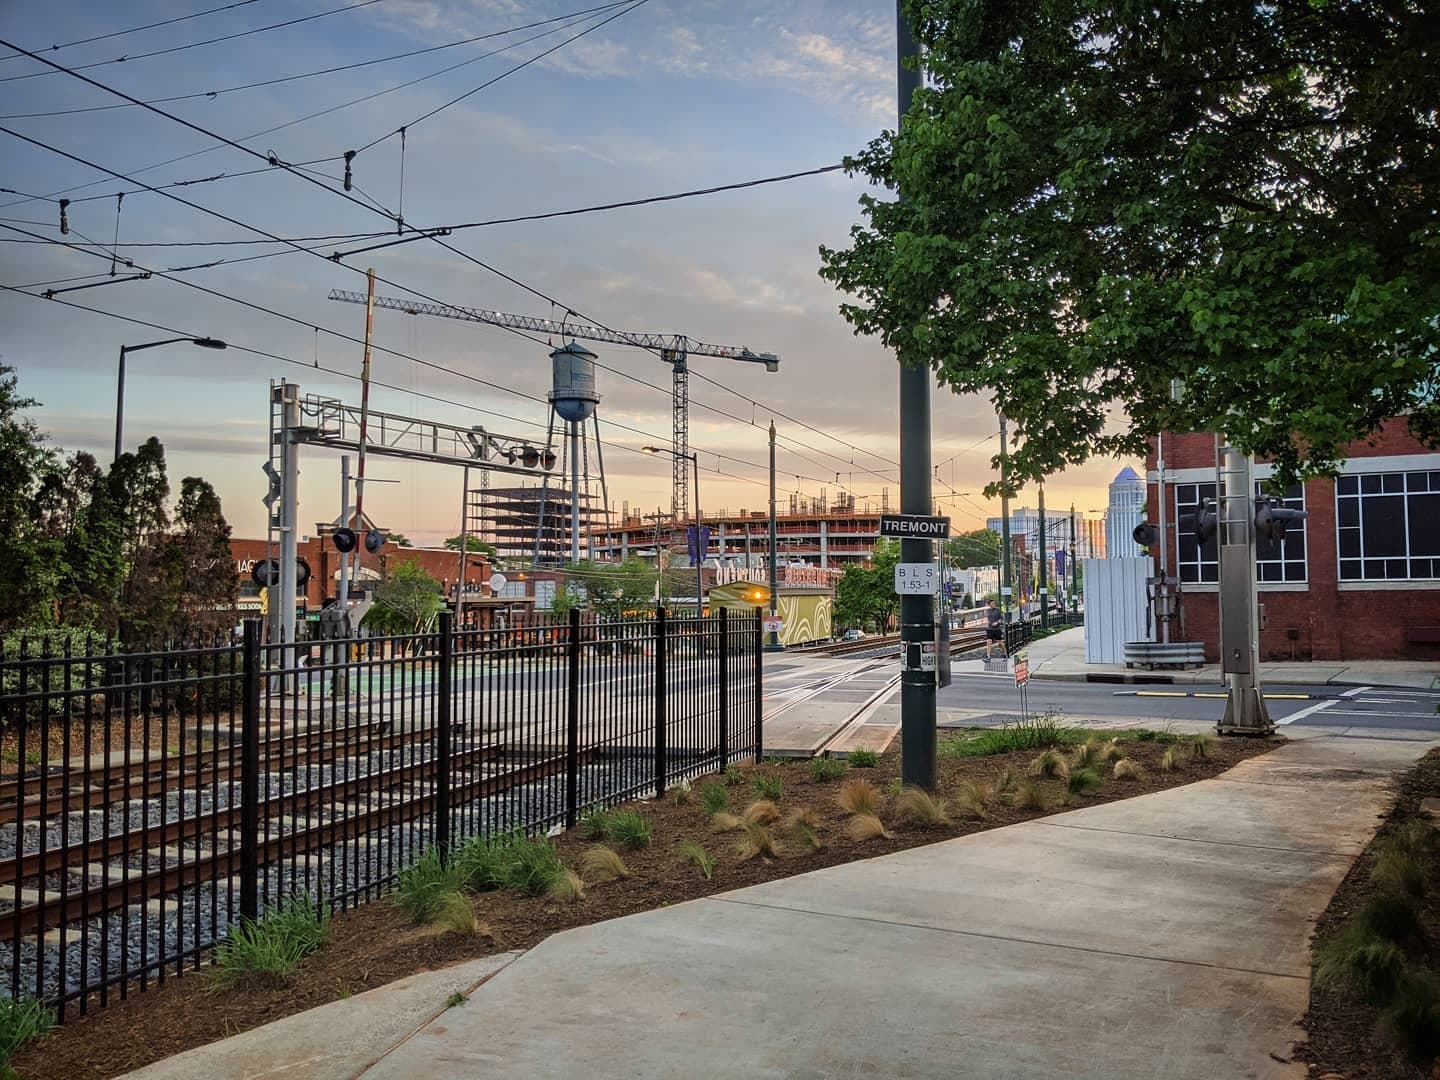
(852, 635)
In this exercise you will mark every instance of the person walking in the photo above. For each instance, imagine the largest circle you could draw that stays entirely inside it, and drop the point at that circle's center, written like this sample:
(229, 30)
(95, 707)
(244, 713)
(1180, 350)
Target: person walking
(994, 630)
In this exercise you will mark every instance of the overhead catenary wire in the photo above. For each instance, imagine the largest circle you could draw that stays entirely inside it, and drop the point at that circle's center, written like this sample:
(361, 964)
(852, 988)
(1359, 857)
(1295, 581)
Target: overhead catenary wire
(335, 69)
(355, 6)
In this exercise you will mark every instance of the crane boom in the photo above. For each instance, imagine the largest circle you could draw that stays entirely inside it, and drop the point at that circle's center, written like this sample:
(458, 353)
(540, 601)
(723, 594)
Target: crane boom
(674, 349)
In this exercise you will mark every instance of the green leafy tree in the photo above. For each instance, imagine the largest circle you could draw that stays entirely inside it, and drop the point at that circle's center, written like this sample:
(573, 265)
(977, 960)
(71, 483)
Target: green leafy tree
(29, 559)
(406, 602)
(611, 589)
(1101, 197)
(474, 544)
(400, 540)
(201, 546)
(980, 547)
(865, 595)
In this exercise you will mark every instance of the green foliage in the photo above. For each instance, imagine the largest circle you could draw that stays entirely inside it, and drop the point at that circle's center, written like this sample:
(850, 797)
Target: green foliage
(406, 602)
(473, 544)
(455, 999)
(715, 798)
(823, 768)
(21, 1021)
(526, 864)
(630, 829)
(865, 595)
(1201, 746)
(767, 786)
(595, 824)
(1050, 765)
(422, 888)
(863, 759)
(980, 547)
(1081, 781)
(1031, 796)
(263, 953)
(1358, 961)
(734, 777)
(1412, 1018)
(611, 590)
(698, 857)
(600, 864)
(1033, 734)
(1100, 199)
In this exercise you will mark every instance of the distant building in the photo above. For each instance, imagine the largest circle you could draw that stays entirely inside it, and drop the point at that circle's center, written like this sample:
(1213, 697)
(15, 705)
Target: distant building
(827, 538)
(1126, 510)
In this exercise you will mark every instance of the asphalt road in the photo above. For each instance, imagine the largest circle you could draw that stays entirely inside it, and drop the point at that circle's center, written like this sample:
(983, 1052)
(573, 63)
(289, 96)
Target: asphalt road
(1378, 708)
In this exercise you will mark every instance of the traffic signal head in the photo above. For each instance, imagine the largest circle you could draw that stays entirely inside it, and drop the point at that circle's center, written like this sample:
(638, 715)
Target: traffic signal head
(344, 540)
(1203, 523)
(374, 541)
(1273, 520)
(1145, 534)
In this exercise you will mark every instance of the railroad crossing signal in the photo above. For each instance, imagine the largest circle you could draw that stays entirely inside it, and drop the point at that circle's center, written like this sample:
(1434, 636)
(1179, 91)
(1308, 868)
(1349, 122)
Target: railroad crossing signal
(1272, 519)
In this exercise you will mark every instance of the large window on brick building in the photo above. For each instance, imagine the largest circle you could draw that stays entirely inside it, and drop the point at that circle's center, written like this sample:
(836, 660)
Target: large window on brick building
(1282, 563)
(1388, 526)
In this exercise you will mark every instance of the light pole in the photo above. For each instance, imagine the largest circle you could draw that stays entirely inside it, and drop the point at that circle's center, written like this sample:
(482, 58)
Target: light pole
(774, 644)
(203, 342)
(694, 459)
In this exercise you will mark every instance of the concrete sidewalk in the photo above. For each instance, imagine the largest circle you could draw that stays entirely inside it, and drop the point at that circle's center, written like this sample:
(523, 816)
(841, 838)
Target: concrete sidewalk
(1165, 935)
(1062, 656)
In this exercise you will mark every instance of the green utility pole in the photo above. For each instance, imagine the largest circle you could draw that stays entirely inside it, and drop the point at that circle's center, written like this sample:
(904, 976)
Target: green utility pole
(1005, 583)
(1044, 570)
(917, 613)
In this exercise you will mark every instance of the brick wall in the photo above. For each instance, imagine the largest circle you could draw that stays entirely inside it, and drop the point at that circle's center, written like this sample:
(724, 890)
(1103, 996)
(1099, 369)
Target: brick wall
(440, 563)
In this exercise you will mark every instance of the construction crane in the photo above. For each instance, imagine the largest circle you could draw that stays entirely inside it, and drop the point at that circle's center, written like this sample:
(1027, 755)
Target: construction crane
(674, 349)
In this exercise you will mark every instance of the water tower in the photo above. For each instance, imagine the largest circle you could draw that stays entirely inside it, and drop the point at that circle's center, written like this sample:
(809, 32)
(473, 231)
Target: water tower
(573, 399)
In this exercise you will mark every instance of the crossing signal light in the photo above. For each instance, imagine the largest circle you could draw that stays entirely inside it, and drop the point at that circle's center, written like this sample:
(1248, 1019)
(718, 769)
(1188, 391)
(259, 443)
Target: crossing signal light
(1145, 534)
(1203, 523)
(344, 540)
(1272, 520)
(374, 541)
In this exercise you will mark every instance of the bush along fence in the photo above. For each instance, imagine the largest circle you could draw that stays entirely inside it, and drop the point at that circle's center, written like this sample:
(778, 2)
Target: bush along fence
(148, 801)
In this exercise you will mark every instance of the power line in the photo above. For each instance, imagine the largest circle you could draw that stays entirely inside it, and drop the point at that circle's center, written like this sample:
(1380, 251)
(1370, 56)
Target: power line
(147, 26)
(212, 94)
(192, 45)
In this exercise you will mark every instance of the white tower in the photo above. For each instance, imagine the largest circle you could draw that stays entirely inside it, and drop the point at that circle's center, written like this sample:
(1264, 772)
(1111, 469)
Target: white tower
(1126, 510)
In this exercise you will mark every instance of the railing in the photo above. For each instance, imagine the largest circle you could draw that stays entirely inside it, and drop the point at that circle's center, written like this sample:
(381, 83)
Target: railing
(150, 800)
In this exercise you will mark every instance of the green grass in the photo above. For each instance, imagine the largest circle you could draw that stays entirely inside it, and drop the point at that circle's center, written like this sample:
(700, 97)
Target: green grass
(630, 829)
(1412, 1018)
(768, 787)
(1360, 962)
(265, 952)
(825, 768)
(1036, 733)
(894, 787)
(595, 824)
(1201, 746)
(457, 998)
(1081, 781)
(421, 889)
(1049, 765)
(533, 866)
(734, 777)
(715, 799)
(514, 861)
(21, 1021)
(863, 759)
(698, 857)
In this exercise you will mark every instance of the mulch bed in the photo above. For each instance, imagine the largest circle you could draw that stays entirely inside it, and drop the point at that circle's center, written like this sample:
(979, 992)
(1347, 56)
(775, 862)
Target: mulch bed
(1343, 1036)
(376, 944)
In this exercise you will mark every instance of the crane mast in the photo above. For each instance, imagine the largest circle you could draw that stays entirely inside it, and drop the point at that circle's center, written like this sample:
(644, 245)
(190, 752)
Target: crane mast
(673, 349)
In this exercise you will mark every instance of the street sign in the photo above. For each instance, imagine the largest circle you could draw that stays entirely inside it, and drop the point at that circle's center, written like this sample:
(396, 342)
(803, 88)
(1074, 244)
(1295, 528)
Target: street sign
(1022, 668)
(916, 579)
(914, 527)
(774, 624)
(929, 655)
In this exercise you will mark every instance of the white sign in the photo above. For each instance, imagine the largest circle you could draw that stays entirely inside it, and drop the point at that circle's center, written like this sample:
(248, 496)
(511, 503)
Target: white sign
(498, 582)
(929, 655)
(916, 579)
(1005, 590)
(774, 624)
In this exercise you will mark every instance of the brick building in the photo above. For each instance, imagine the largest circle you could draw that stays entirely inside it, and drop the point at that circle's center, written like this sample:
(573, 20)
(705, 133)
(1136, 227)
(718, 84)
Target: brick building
(1360, 580)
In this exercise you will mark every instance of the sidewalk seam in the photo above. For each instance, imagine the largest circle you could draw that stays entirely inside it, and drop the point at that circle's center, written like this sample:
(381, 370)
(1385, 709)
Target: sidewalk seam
(1017, 940)
(1201, 840)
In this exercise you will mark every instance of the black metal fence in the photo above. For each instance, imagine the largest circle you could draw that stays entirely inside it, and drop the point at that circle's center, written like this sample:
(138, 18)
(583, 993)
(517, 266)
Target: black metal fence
(149, 800)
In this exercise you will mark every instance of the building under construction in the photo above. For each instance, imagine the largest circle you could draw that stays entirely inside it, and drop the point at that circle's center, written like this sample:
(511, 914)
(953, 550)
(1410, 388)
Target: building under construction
(531, 523)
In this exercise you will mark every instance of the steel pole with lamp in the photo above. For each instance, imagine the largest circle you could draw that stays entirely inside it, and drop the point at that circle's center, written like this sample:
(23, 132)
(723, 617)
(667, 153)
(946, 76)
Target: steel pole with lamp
(694, 459)
(203, 342)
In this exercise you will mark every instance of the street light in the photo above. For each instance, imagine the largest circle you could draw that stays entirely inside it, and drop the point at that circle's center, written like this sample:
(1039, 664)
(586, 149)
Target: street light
(694, 459)
(203, 342)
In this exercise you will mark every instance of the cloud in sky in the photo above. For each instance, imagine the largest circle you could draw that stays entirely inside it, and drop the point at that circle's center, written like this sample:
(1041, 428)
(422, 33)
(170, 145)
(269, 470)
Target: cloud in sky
(671, 96)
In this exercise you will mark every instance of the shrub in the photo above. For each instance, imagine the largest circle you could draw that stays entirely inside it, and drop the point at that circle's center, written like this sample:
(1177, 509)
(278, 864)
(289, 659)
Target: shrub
(802, 828)
(715, 799)
(1390, 915)
(972, 796)
(680, 794)
(725, 822)
(533, 866)
(863, 759)
(600, 864)
(263, 953)
(698, 857)
(1081, 781)
(1086, 755)
(1171, 761)
(1125, 769)
(1412, 1018)
(1050, 765)
(826, 768)
(20, 1021)
(761, 812)
(768, 787)
(894, 787)
(1033, 734)
(1358, 961)
(757, 842)
(1031, 796)
(916, 806)
(630, 829)
(859, 797)
(484, 863)
(1008, 780)
(733, 776)
(1201, 746)
(1402, 860)
(595, 824)
(865, 827)
(456, 913)
(566, 886)
(1112, 751)
(421, 890)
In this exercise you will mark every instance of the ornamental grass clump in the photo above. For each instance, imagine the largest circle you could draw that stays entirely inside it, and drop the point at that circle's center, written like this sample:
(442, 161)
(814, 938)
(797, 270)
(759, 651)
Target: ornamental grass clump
(858, 796)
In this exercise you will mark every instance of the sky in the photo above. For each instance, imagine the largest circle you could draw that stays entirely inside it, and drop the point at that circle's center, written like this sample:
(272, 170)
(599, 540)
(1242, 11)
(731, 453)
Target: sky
(669, 96)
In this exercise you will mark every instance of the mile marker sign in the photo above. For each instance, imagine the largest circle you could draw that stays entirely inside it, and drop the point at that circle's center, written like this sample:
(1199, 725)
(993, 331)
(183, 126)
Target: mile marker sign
(914, 527)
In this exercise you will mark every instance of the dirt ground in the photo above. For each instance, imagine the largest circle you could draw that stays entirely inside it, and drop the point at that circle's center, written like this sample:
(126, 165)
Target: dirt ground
(376, 944)
(1343, 1034)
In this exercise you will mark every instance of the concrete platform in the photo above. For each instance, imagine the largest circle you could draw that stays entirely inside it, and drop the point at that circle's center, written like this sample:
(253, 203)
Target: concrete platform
(1166, 935)
(338, 1041)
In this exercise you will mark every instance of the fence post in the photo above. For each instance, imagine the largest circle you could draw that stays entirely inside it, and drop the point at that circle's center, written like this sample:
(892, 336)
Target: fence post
(724, 748)
(759, 684)
(251, 673)
(661, 643)
(444, 703)
(572, 727)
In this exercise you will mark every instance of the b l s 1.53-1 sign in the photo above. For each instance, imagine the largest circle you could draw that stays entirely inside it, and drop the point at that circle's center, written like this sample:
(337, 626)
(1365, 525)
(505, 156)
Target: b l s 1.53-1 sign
(917, 579)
